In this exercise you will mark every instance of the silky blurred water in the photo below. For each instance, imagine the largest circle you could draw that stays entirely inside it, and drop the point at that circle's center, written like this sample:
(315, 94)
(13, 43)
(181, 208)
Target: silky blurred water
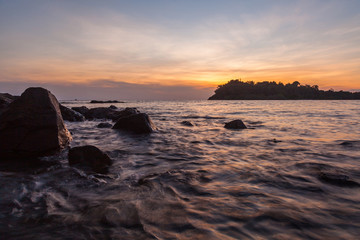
(293, 174)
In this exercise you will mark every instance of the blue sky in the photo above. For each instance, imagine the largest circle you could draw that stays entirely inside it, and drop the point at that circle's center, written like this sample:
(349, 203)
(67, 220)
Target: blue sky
(178, 44)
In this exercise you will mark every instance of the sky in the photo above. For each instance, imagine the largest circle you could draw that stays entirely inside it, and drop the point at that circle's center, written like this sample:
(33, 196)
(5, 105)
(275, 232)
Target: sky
(175, 49)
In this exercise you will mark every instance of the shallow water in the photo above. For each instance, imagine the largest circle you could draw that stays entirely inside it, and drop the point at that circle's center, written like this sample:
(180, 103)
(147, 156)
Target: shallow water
(294, 174)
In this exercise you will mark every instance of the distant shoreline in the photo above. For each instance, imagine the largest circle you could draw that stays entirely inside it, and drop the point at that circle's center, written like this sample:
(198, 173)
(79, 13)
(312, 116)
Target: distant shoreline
(239, 90)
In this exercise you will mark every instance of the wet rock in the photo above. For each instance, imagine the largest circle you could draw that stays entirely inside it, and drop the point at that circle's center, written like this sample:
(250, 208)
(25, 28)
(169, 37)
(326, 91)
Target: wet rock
(350, 143)
(5, 100)
(136, 123)
(236, 124)
(104, 125)
(337, 179)
(126, 112)
(81, 110)
(101, 113)
(89, 156)
(71, 115)
(32, 126)
(187, 123)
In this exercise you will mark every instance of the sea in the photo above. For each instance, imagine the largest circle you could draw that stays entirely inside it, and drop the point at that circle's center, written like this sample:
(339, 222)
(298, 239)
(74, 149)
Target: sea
(294, 173)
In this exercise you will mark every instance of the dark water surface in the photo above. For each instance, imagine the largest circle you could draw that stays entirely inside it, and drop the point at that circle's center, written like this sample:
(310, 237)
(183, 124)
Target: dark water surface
(294, 174)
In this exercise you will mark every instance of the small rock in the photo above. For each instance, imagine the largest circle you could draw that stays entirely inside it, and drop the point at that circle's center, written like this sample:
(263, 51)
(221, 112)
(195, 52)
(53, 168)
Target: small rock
(104, 125)
(89, 156)
(187, 123)
(108, 101)
(136, 123)
(101, 113)
(81, 109)
(71, 115)
(337, 179)
(113, 107)
(236, 124)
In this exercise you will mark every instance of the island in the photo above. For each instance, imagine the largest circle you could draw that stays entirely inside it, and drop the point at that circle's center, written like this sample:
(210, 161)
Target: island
(108, 101)
(240, 90)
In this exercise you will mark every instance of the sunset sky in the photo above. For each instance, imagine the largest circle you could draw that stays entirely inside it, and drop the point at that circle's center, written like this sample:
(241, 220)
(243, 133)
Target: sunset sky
(175, 49)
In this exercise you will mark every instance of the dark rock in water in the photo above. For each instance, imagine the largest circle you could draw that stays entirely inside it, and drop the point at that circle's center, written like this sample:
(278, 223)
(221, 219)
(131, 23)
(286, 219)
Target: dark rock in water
(71, 115)
(104, 125)
(5, 100)
(32, 126)
(337, 179)
(101, 113)
(113, 107)
(109, 101)
(81, 110)
(187, 123)
(89, 156)
(350, 143)
(126, 112)
(136, 123)
(236, 124)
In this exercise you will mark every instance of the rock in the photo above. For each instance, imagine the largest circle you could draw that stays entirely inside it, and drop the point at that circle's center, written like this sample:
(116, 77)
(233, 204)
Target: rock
(32, 126)
(113, 107)
(126, 112)
(89, 156)
(337, 179)
(136, 123)
(104, 125)
(187, 123)
(5, 100)
(71, 115)
(236, 124)
(108, 101)
(101, 113)
(83, 110)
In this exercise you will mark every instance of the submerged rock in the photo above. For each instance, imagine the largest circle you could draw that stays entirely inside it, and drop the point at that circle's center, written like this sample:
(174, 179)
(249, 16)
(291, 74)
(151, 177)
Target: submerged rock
(32, 126)
(187, 123)
(136, 123)
(104, 125)
(71, 115)
(89, 156)
(81, 110)
(236, 124)
(337, 179)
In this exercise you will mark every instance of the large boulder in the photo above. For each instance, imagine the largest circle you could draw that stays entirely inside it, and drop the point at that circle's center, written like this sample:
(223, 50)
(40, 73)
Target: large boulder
(89, 156)
(236, 124)
(71, 115)
(32, 126)
(136, 123)
(81, 110)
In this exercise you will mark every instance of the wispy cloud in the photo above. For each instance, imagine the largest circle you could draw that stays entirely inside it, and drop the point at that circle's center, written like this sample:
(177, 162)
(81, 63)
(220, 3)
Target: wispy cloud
(310, 41)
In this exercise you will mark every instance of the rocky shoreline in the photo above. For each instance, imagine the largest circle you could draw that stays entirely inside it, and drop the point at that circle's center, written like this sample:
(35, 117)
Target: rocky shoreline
(32, 126)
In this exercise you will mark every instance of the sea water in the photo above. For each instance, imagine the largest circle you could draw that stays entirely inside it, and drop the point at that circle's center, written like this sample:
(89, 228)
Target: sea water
(293, 174)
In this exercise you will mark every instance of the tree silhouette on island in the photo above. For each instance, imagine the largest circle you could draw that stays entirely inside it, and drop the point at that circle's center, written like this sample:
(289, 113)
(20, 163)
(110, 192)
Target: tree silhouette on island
(239, 90)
